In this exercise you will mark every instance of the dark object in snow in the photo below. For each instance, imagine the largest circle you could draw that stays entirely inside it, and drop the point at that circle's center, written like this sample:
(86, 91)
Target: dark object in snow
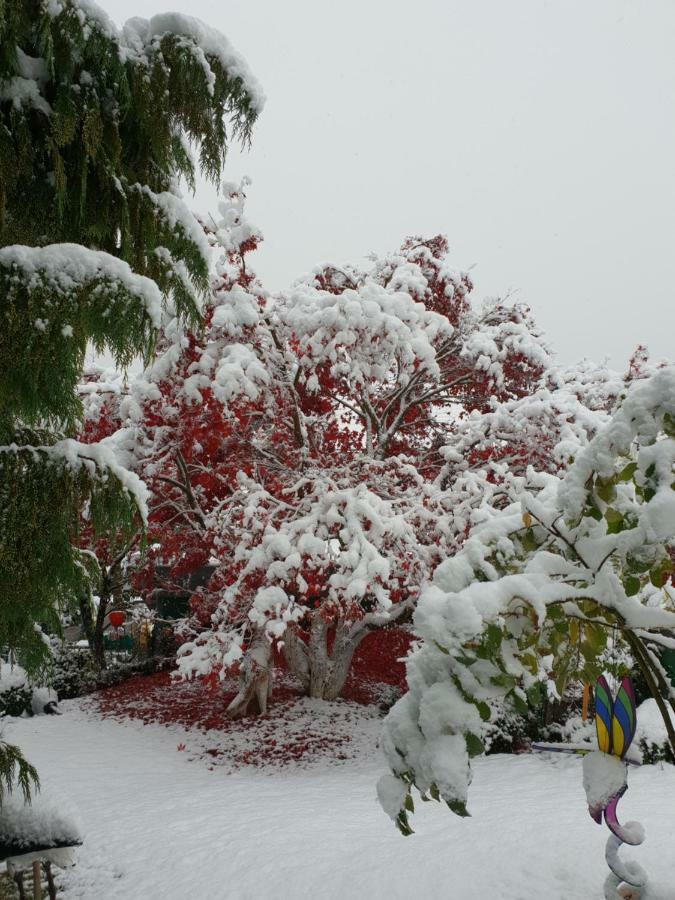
(59, 853)
(51, 708)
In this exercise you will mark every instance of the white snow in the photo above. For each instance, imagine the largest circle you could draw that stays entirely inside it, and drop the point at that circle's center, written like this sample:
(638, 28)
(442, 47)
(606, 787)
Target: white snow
(650, 725)
(12, 676)
(140, 33)
(50, 819)
(66, 267)
(604, 776)
(100, 461)
(157, 825)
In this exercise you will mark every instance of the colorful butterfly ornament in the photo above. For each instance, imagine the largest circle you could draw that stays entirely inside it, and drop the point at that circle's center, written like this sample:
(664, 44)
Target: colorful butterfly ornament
(615, 720)
(615, 724)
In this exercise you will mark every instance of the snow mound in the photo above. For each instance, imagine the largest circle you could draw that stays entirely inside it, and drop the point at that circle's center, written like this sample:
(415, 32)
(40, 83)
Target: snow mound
(51, 820)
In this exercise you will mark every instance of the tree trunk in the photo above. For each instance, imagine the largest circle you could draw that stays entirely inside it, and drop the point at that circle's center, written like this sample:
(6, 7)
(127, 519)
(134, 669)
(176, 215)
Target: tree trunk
(321, 673)
(87, 617)
(341, 659)
(255, 682)
(295, 654)
(96, 642)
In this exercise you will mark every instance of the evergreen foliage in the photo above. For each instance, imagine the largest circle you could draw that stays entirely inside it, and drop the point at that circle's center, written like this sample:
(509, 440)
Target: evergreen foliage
(96, 128)
(14, 769)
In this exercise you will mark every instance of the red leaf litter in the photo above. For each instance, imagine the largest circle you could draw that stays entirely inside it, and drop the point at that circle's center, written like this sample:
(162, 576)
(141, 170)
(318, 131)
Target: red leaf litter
(295, 730)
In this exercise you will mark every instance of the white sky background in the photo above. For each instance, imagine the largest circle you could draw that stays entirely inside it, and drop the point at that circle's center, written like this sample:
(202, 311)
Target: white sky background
(539, 135)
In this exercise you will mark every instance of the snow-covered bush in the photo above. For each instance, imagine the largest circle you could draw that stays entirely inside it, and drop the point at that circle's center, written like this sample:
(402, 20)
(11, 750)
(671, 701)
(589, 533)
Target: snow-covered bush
(651, 735)
(15, 691)
(73, 670)
(536, 592)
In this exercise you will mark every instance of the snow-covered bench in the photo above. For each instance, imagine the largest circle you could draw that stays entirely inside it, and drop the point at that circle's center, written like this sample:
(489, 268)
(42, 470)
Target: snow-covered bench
(44, 832)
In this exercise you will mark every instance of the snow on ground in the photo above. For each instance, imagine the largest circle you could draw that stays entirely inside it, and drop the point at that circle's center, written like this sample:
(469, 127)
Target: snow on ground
(160, 825)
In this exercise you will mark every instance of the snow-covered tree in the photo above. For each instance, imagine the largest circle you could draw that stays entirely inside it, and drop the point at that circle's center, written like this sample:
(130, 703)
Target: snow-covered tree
(96, 247)
(296, 443)
(534, 594)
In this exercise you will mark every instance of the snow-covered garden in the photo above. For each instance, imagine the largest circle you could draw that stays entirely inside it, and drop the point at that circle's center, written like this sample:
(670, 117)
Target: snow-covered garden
(347, 589)
(161, 822)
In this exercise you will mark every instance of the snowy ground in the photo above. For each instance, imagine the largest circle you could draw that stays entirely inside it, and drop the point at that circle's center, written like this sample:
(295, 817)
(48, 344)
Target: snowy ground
(164, 824)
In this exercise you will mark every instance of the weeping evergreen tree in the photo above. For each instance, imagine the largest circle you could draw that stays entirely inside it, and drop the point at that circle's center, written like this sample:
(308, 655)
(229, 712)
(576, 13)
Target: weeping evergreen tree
(97, 126)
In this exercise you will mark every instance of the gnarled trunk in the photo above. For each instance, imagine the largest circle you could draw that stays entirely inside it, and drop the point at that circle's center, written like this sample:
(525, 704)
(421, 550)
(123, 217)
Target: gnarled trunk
(255, 681)
(322, 672)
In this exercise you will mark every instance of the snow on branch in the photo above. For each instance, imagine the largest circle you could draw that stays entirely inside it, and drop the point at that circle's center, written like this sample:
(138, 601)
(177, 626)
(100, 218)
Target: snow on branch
(98, 461)
(540, 582)
(140, 34)
(67, 269)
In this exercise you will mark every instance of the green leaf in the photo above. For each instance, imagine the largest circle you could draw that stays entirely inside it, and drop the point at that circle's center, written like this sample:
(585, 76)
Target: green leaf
(631, 585)
(465, 660)
(474, 745)
(595, 640)
(627, 472)
(493, 635)
(669, 425)
(592, 511)
(605, 489)
(660, 574)
(613, 515)
(638, 565)
(458, 808)
(529, 541)
(503, 679)
(534, 694)
(483, 710)
(657, 577)
(408, 803)
(403, 825)
(555, 613)
(519, 704)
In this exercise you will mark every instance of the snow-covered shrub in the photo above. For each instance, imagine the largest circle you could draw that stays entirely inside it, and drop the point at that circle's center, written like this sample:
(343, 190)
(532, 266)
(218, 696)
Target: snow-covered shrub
(535, 594)
(547, 718)
(651, 736)
(73, 671)
(512, 731)
(15, 691)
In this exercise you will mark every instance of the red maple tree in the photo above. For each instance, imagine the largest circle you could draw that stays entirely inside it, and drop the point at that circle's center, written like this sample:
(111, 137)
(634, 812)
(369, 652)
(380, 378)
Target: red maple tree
(296, 443)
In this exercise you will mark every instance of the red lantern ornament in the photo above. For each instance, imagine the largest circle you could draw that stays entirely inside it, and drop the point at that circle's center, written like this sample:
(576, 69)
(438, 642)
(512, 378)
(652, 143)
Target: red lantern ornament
(116, 618)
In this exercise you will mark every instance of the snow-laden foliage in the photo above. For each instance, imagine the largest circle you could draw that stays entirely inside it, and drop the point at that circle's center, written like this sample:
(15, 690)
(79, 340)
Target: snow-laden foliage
(535, 592)
(97, 247)
(296, 444)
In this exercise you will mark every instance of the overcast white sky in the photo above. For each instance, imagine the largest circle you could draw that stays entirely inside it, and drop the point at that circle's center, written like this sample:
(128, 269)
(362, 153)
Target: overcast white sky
(539, 135)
